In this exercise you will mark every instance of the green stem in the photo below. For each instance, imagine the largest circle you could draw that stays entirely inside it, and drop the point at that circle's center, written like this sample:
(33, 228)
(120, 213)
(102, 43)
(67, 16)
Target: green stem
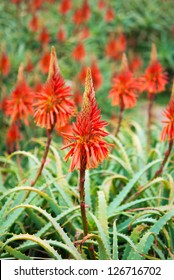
(83, 206)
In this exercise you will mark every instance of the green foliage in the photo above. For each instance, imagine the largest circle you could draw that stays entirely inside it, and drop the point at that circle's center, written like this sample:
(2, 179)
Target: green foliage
(125, 220)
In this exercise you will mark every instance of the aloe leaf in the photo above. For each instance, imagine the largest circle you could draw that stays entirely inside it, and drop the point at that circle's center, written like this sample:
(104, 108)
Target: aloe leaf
(102, 215)
(43, 243)
(102, 235)
(124, 192)
(115, 242)
(14, 252)
(52, 202)
(57, 227)
(147, 240)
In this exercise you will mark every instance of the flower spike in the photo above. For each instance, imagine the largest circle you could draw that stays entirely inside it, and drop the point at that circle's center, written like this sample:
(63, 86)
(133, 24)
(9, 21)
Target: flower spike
(88, 148)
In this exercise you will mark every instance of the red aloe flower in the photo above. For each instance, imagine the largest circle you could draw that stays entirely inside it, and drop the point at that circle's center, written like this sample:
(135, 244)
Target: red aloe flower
(82, 14)
(116, 46)
(101, 4)
(35, 5)
(84, 33)
(88, 148)
(65, 6)
(38, 86)
(19, 105)
(79, 52)
(168, 130)
(44, 36)
(155, 78)
(61, 34)
(110, 14)
(125, 87)
(86, 11)
(53, 105)
(135, 63)
(16, 2)
(96, 74)
(34, 23)
(13, 135)
(4, 63)
(29, 66)
(44, 62)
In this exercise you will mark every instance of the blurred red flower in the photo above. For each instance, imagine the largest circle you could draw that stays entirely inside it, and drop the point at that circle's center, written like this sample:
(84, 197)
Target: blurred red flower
(29, 66)
(13, 135)
(44, 62)
(35, 4)
(53, 105)
(168, 130)
(82, 14)
(19, 106)
(79, 51)
(84, 33)
(101, 4)
(125, 87)
(44, 36)
(88, 148)
(109, 15)
(95, 72)
(116, 46)
(61, 34)
(155, 79)
(34, 23)
(4, 63)
(65, 6)
(135, 63)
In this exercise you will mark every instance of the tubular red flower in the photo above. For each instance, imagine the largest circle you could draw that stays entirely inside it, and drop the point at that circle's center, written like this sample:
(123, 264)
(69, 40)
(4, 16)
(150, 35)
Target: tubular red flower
(110, 15)
(125, 87)
(155, 79)
(82, 14)
(61, 34)
(44, 36)
(65, 6)
(86, 141)
(53, 105)
(79, 52)
(96, 74)
(116, 46)
(168, 130)
(13, 135)
(19, 106)
(34, 23)
(44, 63)
(4, 64)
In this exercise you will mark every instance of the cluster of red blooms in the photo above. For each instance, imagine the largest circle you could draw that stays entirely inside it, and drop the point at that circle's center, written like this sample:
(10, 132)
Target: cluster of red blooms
(155, 79)
(125, 87)
(87, 146)
(53, 105)
(18, 107)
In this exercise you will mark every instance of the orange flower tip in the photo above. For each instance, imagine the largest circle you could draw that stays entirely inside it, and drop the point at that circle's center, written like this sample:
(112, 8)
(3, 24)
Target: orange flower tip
(153, 56)
(53, 68)
(20, 77)
(89, 91)
(124, 64)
